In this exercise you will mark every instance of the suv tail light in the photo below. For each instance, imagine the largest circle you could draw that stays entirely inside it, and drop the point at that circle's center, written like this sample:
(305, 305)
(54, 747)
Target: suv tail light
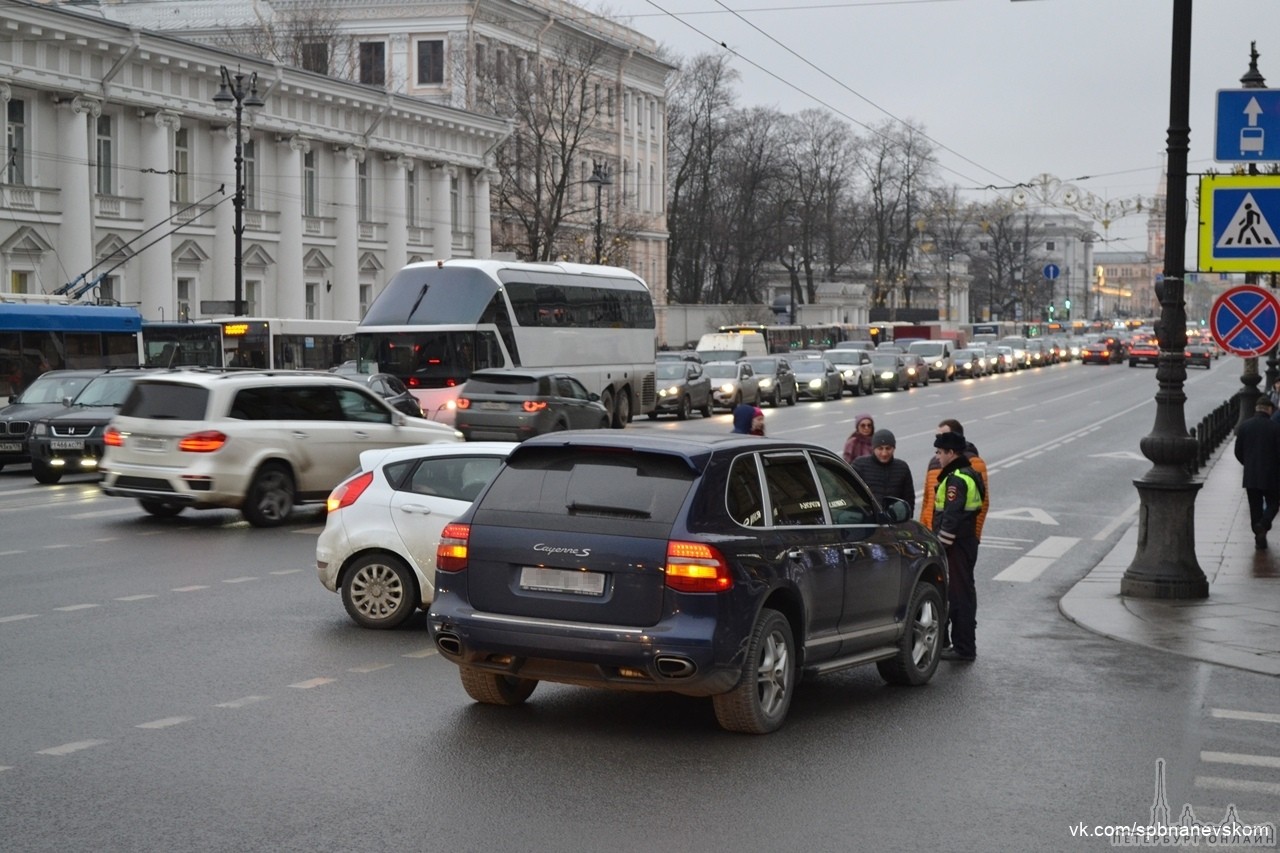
(534, 405)
(347, 493)
(451, 553)
(207, 441)
(695, 567)
(463, 403)
(113, 437)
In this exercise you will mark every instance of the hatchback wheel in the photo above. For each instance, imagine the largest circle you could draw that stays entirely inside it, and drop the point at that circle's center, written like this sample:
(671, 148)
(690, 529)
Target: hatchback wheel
(379, 591)
(270, 498)
(917, 656)
(160, 509)
(707, 410)
(758, 704)
(493, 688)
(686, 408)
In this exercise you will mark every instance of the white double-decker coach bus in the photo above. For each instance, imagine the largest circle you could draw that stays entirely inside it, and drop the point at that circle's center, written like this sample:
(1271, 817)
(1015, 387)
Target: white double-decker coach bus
(437, 321)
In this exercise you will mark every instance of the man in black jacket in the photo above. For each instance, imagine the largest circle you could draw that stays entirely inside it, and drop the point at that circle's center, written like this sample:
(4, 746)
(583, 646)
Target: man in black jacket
(886, 476)
(1258, 450)
(956, 504)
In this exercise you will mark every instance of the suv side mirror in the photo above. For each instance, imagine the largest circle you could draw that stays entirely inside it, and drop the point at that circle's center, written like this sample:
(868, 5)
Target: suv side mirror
(895, 511)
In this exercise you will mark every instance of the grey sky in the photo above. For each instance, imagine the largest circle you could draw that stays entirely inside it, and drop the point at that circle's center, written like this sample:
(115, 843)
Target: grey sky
(1078, 89)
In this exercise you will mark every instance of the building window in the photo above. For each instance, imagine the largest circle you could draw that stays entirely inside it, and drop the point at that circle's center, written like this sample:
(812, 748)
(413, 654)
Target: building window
(181, 166)
(16, 143)
(481, 55)
(373, 63)
(250, 154)
(626, 108)
(500, 72)
(362, 189)
(309, 184)
(19, 281)
(106, 157)
(654, 196)
(1048, 247)
(430, 62)
(653, 116)
(366, 296)
(411, 197)
(251, 291)
(185, 287)
(453, 203)
(107, 291)
(608, 99)
(311, 290)
(315, 57)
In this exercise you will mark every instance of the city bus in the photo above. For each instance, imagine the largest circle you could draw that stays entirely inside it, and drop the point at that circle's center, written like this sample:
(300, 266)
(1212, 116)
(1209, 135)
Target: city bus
(36, 336)
(181, 345)
(273, 343)
(782, 339)
(437, 321)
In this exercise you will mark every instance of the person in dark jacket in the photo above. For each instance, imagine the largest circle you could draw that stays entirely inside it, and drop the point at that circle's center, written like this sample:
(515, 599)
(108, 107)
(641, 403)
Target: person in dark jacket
(886, 476)
(956, 505)
(1258, 450)
(748, 419)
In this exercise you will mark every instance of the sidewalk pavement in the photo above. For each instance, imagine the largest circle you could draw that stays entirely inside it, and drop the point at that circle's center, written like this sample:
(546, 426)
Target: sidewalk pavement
(1238, 625)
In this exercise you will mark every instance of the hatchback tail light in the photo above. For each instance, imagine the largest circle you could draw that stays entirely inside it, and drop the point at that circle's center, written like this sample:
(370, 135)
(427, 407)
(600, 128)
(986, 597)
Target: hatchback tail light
(207, 441)
(347, 493)
(451, 553)
(534, 405)
(463, 403)
(696, 567)
(113, 437)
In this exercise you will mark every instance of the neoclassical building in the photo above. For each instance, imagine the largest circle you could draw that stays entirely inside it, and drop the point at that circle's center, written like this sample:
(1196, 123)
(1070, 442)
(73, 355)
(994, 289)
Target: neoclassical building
(119, 174)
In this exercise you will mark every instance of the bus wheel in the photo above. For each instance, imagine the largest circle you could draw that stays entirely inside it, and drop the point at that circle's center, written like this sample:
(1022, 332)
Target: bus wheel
(622, 410)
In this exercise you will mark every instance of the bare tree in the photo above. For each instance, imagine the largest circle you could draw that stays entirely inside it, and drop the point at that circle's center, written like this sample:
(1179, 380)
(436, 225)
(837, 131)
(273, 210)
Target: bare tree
(1006, 266)
(306, 34)
(555, 99)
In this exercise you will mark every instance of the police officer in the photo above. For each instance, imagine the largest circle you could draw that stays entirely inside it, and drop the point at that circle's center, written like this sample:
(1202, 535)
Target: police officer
(956, 504)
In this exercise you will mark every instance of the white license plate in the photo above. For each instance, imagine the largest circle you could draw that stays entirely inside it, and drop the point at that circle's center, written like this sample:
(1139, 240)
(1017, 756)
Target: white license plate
(562, 580)
(67, 444)
(10, 446)
(496, 407)
(143, 442)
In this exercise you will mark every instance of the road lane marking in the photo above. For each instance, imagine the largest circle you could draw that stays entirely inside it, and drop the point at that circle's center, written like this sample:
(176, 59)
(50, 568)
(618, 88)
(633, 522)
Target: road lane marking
(239, 580)
(165, 723)
(71, 607)
(18, 617)
(1239, 786)
(1252, 716)
(1031, 565)
(373, 667)
(103, 513)
(188, 588)
(1241, 758)
(68, 748)
(314, 682)
(425, 653)
(287, 572)
(136, 597)
(240, 703)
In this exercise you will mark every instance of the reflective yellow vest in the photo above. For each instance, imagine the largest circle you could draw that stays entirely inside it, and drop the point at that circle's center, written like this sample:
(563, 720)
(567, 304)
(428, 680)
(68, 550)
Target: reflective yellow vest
(972, 500)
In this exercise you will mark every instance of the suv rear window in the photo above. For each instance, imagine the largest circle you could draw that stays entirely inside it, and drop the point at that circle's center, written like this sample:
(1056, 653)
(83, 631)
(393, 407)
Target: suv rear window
(166, 400)
(499, 384)
(645, 488)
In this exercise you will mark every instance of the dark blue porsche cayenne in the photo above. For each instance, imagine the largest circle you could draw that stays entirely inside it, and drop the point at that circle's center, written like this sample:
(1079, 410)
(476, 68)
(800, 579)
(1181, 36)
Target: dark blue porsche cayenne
(709, 566)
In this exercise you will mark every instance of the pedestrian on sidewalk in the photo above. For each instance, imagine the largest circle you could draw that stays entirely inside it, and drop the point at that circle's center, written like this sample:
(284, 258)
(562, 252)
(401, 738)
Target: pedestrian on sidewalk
(886, 476)
(859, 441)
(956, 504)
(1258, 450)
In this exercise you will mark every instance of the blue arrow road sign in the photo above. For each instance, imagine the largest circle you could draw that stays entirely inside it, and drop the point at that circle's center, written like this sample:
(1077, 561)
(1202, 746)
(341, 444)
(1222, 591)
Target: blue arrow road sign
(1247, 126)
(1051, 271)
(1245, 320)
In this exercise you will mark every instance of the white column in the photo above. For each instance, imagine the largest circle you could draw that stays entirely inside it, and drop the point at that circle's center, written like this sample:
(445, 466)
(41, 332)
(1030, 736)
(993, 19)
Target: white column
(482, 214)
(155, 263)
(398, 172)
(346, 271)
(441, 221)
(291, 297)
(223, 167)
(75, 237)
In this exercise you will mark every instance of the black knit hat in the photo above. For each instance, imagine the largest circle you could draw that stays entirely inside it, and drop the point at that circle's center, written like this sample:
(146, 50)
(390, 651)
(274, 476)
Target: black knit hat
(882, 437)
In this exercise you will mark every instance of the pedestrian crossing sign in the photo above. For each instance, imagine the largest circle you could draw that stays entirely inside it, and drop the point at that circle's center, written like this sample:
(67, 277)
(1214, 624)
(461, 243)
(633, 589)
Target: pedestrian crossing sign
(1239, 223)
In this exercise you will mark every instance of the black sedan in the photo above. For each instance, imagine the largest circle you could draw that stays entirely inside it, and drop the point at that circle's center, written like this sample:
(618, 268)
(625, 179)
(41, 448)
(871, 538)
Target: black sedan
(388, 388)
(682, 388)
(715, 566)
(892, 373)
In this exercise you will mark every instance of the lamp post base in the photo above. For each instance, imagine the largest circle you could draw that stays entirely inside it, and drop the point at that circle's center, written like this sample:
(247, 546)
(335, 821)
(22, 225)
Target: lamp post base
(1165, 565)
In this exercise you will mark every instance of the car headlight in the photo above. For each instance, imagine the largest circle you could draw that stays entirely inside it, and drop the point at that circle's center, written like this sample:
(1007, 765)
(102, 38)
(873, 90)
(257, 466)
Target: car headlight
(816, 384)
(669, 392)
(766, 384)
(726, 388)
(847, 373)
(888, 374)
(967, 365)
(938, 364)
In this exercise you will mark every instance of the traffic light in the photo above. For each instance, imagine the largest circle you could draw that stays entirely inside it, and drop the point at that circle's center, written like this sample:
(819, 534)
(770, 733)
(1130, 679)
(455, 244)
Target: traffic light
(1066, 309)
(1048, 310)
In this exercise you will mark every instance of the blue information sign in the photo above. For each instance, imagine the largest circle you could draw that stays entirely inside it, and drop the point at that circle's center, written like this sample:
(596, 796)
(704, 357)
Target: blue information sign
(1051, 271)
(1245, 320)
(1247, 126)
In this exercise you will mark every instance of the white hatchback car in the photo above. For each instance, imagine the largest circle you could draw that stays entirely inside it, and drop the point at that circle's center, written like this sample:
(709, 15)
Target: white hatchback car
(378, 547)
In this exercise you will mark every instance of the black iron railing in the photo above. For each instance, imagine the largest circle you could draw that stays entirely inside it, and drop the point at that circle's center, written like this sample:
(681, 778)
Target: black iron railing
(1213, 429)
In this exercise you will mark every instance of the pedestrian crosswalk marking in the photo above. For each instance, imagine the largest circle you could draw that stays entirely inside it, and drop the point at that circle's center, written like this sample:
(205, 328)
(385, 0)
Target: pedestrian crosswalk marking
(1252, 716)
(1031, 565)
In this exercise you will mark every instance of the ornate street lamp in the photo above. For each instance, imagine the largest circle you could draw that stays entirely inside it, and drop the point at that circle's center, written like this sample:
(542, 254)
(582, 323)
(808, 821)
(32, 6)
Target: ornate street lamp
(599, 179)
(232, 90)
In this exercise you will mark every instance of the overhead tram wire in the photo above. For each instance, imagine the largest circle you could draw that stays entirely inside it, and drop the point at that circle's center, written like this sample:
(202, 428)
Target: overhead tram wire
(823, 103)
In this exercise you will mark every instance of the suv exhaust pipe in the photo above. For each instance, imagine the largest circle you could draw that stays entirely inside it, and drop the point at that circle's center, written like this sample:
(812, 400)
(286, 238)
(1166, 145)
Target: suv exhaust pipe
(449, 643)
(671, 666)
